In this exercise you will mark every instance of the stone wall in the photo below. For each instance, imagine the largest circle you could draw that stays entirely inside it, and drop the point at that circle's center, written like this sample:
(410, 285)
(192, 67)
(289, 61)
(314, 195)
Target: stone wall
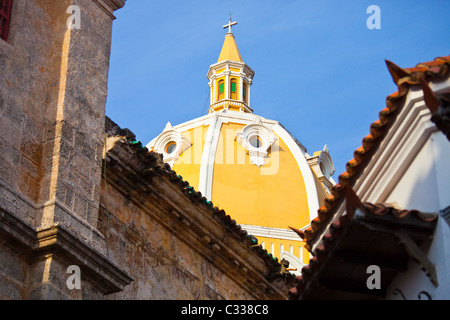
(145, 234)
(52, 102)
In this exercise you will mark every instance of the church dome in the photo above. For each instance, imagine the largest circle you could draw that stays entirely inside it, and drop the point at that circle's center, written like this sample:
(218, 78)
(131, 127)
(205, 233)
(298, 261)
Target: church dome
(250, 166)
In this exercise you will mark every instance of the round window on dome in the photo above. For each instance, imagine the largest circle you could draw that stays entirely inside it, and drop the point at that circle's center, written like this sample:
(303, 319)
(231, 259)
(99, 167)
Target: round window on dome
(170, 147)
(255, 141)
(322, 167)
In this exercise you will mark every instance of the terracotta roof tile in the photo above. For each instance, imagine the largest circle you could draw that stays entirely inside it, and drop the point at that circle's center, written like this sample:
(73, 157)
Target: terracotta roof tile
(339, 227)
(439, 68)
(439, 106)
(153, 162)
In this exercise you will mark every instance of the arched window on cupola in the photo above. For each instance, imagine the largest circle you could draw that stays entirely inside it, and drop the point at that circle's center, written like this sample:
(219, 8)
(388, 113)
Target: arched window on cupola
(244, 92)
(233, 89)
(220, 90)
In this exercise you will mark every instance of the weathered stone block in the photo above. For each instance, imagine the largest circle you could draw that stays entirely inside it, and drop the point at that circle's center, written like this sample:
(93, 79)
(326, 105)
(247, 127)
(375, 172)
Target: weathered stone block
(23, 183)
(92, 213)
(31, 148)
(15, 113)
(80, 207)
(8, 152)
(9, 174)
(31, 129)
(10, 290)
(12, 266)
(10, 132)
(29, 167)
(69, 198)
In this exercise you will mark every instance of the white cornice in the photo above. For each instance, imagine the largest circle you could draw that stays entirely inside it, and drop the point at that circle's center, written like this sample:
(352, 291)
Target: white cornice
(398, 149)
(229, 102)
(228, 115)
(269, 232)
(250, 73)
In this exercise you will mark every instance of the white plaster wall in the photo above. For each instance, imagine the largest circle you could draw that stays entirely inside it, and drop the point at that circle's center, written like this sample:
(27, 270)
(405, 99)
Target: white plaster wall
(442, 156)
(425, 185)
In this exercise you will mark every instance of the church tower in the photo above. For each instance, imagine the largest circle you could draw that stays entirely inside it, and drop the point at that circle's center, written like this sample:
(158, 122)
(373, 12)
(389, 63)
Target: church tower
(250, 166)
(230, 78)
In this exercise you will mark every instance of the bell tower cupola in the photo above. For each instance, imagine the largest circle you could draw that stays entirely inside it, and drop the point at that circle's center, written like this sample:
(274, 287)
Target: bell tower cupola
(230, 78)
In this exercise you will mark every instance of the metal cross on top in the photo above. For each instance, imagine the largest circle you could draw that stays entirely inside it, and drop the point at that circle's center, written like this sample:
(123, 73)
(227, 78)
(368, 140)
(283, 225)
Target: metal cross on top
(229, 25)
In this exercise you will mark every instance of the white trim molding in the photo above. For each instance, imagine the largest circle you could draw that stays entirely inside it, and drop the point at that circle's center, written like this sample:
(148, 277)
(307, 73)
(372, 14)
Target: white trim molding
(262, 134)
(168, 136)
(209, 156)
(270, 232)
(405, 139)
(323, 166)
(294, 262)
(299, 153)
(409, 134)
(215, 121)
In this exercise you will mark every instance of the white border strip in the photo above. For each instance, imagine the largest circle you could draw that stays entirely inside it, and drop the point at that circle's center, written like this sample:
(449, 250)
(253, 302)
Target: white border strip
(208, 158)
(297, 152)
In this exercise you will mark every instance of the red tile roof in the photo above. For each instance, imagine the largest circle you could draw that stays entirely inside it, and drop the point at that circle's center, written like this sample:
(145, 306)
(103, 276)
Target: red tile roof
(438, 69)
(312, 283)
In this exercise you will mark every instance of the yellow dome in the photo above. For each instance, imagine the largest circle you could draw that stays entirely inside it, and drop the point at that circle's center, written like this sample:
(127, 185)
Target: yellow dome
(251, 167)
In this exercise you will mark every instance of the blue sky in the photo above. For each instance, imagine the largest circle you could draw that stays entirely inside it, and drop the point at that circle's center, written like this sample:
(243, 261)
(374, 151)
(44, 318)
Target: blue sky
(319, 70)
